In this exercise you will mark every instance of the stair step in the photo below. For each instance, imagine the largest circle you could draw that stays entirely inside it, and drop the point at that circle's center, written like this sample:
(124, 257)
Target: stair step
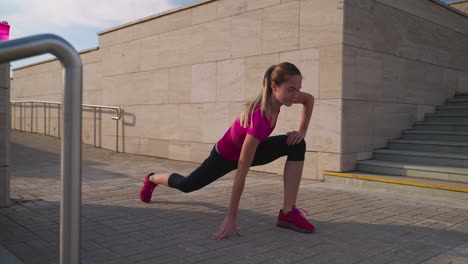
(457, 101)
(447, 117)
(454, 114)
(428, 145)
(402, 184)
(452, 109)
(414, 170)
(435, 135)
(458, 98)
(441, 126)
(433, 158)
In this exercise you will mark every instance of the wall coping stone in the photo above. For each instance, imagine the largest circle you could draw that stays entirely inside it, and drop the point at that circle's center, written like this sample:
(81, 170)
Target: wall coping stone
(53, 59)
(165, 13)
(199, 3)
(446, 5)
(455, 2)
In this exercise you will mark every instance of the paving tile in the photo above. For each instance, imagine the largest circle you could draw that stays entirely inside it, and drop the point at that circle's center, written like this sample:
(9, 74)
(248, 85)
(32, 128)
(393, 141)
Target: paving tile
(352, 226)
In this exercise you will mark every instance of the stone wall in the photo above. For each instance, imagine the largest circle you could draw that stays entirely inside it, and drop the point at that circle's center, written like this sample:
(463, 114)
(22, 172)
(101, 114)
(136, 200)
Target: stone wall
(461, 5)
(374, 67)
(43, 82)
(400, 60)
(183, 76)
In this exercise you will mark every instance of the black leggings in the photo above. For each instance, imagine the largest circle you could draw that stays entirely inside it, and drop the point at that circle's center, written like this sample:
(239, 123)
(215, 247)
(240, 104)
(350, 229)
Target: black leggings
(215, 166)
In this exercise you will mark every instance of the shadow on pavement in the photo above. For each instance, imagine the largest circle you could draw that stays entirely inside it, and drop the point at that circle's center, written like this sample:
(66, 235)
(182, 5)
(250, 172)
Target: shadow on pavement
(119, 234)
(30, 162)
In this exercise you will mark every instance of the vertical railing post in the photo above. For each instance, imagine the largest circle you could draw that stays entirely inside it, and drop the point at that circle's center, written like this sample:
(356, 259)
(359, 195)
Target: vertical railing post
(59, 121)
(117, 137)
(32, 116)
(94, 109)
(50, 117)
(13, 114)
(45, 126)
(21, 116)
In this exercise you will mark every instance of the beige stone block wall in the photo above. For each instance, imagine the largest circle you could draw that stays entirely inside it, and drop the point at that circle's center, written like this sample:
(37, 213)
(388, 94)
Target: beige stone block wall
(183, 77)
(331, 67)
(460, 5)
(43, 82)
(400, 60)
(204, 83)
(255, 70)
(281, 27)
(321, 23)
(416, 30)
(246, 34)
(308, 62)
(373, 134)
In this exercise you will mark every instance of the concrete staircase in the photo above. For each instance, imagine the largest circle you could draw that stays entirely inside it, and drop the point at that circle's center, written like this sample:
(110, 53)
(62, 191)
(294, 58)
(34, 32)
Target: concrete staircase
(430, 159)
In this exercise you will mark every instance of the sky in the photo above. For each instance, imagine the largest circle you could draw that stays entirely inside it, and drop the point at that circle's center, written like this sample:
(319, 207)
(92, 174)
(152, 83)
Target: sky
(77, 21)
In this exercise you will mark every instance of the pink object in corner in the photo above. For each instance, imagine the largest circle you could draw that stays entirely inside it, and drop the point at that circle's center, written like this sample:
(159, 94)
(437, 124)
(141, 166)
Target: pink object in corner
(4, 31)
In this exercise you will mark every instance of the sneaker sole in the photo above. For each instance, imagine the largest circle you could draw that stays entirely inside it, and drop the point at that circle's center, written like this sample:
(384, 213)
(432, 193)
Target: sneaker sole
(289, 225)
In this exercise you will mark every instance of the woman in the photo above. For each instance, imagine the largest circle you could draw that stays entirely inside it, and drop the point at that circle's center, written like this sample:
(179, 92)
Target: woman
(246, 144)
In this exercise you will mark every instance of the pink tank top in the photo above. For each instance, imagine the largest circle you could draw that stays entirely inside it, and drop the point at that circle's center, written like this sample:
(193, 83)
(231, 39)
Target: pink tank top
(230, 145)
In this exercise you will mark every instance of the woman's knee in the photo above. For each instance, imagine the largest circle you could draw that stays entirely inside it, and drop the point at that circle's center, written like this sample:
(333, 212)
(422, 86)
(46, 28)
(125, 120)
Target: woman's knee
(180, 182)
(297, 151)
(186, 188)
(302, 145)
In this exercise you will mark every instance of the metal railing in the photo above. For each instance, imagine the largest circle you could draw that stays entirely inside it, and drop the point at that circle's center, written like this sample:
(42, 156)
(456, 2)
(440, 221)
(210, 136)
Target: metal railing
(70, 208)
(47, 103)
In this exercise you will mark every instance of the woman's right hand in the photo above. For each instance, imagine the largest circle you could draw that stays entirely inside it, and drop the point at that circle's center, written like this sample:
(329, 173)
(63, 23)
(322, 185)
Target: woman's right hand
(229, 224)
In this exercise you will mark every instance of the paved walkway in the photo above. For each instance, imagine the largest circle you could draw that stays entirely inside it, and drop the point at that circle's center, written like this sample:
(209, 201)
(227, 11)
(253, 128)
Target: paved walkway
(354, 225)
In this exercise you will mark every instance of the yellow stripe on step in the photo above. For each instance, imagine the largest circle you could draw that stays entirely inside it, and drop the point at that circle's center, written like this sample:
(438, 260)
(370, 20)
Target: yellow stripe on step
(461, 94)
(419, 184)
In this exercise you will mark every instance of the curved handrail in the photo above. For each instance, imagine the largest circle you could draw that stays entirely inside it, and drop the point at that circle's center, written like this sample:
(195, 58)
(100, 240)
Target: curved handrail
(70, 209)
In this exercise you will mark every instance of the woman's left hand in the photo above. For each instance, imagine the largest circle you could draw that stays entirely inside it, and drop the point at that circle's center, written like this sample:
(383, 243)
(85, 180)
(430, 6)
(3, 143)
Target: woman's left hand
(229, 224)
(294, 137)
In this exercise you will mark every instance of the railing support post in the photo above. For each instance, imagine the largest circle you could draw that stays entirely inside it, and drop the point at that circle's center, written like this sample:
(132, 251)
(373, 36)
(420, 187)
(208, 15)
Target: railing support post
(94, 142)
(45, 126)
(32, 107)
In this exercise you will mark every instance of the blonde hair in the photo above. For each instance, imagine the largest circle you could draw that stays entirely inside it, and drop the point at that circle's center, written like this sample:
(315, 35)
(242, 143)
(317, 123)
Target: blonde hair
(275, 73)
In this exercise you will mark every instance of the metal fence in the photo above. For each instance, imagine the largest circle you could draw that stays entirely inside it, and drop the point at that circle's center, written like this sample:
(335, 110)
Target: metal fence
(46, 105)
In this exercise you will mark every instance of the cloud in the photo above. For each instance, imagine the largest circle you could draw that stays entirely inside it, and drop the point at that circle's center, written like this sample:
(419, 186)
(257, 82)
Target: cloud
(29, 17)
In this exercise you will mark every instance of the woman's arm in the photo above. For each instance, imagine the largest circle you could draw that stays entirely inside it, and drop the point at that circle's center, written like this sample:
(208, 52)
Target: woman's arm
(245, 161)
(307, 100)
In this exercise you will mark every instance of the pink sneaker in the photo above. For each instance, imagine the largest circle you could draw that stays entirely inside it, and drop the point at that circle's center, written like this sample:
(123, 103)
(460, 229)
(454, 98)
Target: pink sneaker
(295, 220)
(147, 189)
